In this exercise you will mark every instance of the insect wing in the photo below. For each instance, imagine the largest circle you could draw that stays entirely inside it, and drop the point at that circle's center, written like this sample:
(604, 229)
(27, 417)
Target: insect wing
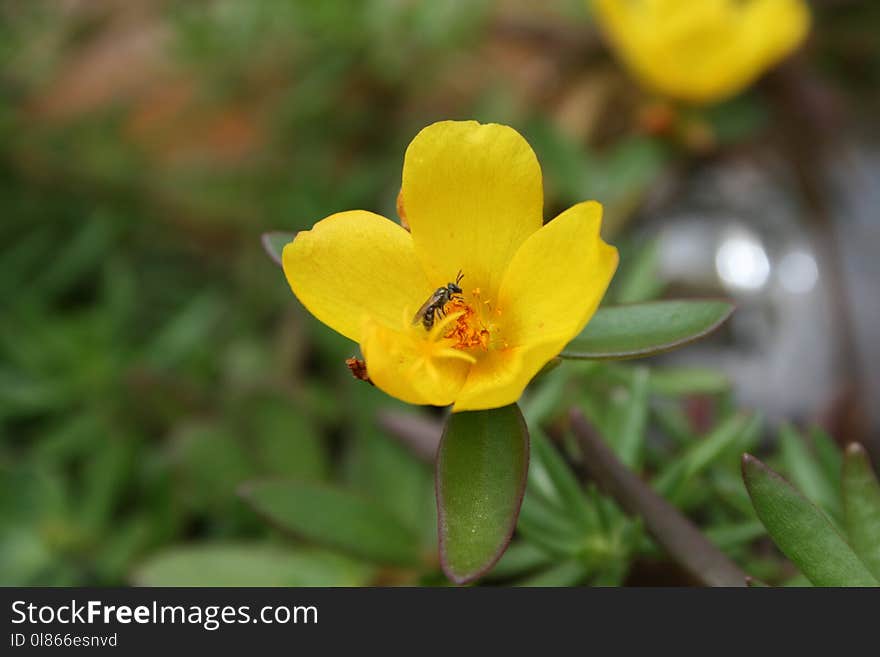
(432, 301)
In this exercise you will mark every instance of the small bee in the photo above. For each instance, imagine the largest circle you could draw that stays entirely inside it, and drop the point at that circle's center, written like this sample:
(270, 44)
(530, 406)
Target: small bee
(433, 307)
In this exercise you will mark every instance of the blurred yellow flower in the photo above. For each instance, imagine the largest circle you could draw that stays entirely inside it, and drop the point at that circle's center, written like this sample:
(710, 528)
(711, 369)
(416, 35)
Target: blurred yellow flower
(702, 51)
(474, 202)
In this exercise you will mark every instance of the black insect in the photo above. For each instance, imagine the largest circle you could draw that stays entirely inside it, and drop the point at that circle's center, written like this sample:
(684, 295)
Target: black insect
(433, 307)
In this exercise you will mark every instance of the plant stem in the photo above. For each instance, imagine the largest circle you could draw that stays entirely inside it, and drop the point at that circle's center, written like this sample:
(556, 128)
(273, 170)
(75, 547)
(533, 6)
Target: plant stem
(673, 531)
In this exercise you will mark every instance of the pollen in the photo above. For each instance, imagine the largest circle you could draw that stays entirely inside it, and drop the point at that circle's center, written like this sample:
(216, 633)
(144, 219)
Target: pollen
(470, 329)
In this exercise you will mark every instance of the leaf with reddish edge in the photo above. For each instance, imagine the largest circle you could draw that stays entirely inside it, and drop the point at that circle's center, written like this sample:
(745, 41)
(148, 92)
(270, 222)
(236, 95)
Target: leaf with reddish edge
(646, 329)
(801, 530)
(274, 242)
(861, 503)
(482, 464)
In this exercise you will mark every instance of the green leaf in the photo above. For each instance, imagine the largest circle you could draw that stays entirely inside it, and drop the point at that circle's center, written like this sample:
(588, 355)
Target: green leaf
(829, 455)
(335, 518)
(861, 503)
(285, 441)
(628, 419)
(274, 243)
(798, 581)
(671, 418)
(670, 381)
(736, 119)
(678, 381)
(565, 573)
(481, 473)
(568, 489)
(805, 471)
(249, 565)
(190, 328)
(728, 537)
(549, 527)
(645, 329)
(210, 463)
(801, 531)
(721, 441)
(638, 281)
(31, 499)
(389, 474)
(107, 472)
(521, 558)
(543, 398)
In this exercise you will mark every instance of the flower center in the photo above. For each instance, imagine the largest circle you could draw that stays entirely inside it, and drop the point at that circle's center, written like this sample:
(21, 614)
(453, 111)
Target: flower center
(475, 325)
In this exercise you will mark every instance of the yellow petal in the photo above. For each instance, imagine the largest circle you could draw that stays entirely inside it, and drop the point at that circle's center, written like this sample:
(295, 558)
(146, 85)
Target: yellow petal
(791, 21)
(557, 279)
(497, 379)
(551, 289)
(412, 365)
(472, 194)
(354, 265)
(702, 51)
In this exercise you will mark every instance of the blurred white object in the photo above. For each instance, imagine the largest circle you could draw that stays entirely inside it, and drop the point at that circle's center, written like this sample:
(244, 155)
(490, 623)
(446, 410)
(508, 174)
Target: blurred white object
(741, 261)
(736, 232)
(798, 271)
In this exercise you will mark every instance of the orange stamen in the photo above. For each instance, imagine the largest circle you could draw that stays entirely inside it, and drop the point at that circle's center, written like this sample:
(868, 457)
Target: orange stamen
(469, 330)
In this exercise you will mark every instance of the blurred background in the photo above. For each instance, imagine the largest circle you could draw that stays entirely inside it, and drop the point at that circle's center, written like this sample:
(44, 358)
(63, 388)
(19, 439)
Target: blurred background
(153, 359)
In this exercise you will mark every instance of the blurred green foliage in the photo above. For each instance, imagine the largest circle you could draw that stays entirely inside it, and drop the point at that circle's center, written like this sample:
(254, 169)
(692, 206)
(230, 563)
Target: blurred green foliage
(152, 360)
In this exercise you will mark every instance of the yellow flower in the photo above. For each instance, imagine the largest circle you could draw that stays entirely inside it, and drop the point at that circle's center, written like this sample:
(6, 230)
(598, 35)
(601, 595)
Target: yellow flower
(702, 51)
(473, 200)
